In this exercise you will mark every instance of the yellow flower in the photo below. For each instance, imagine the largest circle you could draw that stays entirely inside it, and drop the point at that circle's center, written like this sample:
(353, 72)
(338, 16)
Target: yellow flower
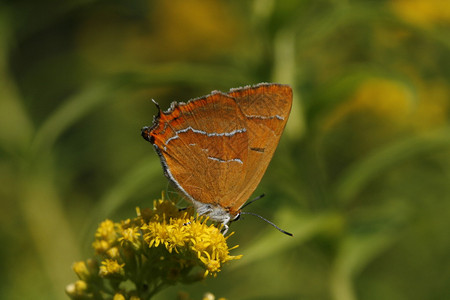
(383, 98)
(113, 252)
(81, 270)
(421, 12)
(161, 246)
(205, 241)
(106, 231)
(105, 236)
(80, 285)
(210, 296)
(119, 297)
(166, 209)
(130, 236)
(156, 234)
(212, 265)
(111, 267)
(77, 289)
(101, 246)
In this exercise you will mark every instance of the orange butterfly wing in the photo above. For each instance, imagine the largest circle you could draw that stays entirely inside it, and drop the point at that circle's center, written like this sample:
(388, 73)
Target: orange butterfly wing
(215, 149)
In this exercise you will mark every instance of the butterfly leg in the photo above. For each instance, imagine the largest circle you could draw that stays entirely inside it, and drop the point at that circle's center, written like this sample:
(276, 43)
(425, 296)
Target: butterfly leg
(225, 229)
(225, 226)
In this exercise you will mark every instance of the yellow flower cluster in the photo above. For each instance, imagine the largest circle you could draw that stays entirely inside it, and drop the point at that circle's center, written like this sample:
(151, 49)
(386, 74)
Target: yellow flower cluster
(190, 234)
(111, 267)
(162, 246)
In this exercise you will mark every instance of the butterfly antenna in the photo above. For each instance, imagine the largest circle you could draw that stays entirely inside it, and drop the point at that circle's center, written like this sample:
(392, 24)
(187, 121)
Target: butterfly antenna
(253, 200)
(264, 219)
(156, 104)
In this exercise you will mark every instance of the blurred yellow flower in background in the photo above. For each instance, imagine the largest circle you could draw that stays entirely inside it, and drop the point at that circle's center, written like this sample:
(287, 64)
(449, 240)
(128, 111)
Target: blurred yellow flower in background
(395, 103)
(197, 34)
(380, 97)
(422, 12)
(433, 106)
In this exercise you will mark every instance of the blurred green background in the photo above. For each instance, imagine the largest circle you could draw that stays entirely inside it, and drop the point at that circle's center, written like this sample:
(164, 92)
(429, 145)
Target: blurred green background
(361, 175)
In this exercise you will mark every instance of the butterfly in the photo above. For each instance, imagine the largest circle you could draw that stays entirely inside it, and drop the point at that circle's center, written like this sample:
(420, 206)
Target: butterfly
(215, 149)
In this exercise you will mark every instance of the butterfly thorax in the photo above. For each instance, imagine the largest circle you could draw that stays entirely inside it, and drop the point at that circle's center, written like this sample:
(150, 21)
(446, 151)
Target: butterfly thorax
(215, 212)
